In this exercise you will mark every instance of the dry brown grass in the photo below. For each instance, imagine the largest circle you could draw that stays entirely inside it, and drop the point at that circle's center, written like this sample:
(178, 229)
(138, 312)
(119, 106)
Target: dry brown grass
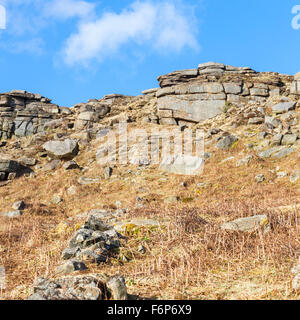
(189, 257)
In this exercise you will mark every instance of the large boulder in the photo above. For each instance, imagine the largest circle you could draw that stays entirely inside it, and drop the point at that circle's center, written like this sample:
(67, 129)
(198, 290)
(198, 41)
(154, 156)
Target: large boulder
(66, 149)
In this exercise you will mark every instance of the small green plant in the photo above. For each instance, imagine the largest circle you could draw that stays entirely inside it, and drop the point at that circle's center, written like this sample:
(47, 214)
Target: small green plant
(228, 105)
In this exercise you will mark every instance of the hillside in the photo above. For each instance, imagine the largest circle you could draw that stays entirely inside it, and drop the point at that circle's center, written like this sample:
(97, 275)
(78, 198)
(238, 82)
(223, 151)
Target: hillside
(85, 205)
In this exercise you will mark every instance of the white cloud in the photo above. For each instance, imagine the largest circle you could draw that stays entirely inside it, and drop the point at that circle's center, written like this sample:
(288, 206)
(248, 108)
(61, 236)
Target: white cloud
(160, 25)
(65, 9)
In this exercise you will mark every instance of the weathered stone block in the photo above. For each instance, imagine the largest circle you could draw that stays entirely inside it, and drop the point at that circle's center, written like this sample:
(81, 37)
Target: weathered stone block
(232, 88)
(196, 111)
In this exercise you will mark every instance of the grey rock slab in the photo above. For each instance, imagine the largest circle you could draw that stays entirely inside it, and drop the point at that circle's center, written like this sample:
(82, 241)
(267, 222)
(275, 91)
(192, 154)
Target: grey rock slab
(88, 181)
(11, 214)
(182, 164)
(211, 87)
(289, 139)
(260, 92)
(268, 153)
(248, 224)
(195, 111)
(232, 88)
(283, 153)
(283, 107)
(211, 65)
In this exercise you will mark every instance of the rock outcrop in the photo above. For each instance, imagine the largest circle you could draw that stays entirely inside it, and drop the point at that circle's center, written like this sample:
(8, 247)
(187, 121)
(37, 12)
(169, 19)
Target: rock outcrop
(89, 287)
(23, 113)
(199, 94)
(184, 97)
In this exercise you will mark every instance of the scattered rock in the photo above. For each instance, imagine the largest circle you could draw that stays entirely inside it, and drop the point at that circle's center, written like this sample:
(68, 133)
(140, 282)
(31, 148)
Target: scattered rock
(11, 214)
(88, 181)
(107, 172)
(71, 165)
(141, 249)
(72, 191)
(70, 267)
(19, 205)
(248, 224)
(204, 185)
(244, 161)
(57, 199)
(282, 174)
(51, 165)
(260, 178)
(10, 169)
(295, 177)
(226, 142)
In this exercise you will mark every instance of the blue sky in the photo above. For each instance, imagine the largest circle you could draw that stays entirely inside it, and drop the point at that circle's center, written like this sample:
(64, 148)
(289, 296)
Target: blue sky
(72, 51)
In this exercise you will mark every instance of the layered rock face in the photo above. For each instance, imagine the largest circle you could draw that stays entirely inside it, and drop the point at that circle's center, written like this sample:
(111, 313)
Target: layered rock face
(23, 113)
(196, 95)
(184, 97)
(92, 112)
